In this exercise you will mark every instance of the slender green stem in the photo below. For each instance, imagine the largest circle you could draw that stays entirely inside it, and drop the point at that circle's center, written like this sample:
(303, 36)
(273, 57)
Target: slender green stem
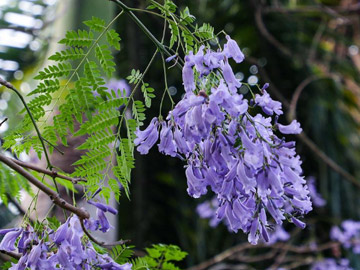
(147, 32)
(125, 108)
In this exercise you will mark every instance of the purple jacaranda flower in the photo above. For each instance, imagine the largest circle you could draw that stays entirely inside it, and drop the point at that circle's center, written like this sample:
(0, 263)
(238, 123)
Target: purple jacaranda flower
(5, 231)
(293, 128)
(233, 51)
(104, 207)
(34, 256)
(181, 143)
(167, 143)
(268, 105)
(229, 77)
(61, 233)
(298, 223)
(104, 223)
(8, 242)
(21, 264)
(254, 235)
(188, 76)
(148, 137)
(196, 186)
(316, 197)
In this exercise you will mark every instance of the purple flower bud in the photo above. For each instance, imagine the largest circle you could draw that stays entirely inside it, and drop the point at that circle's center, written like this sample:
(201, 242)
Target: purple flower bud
(265, 86)
(170, 58)
(298, 223)
(103, 207)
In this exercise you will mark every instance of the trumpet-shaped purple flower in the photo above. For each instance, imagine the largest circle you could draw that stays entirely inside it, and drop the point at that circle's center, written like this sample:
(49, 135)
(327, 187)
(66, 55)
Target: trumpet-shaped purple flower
(293, 128)
(8, 242)
(148, 137)
(233, 51)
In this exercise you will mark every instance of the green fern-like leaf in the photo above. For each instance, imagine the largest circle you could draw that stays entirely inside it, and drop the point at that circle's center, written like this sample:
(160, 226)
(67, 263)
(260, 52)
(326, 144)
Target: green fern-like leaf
(81, 38)
(206, 31)
(99, 122)
(148, 94)
(134, 77)
(113, 39)
(68, 54)
(46, 86)
(174, 33)
(95, 24)
(98, 139)
(138, 110)
(106, 59)
(121, 253)
(62, 70)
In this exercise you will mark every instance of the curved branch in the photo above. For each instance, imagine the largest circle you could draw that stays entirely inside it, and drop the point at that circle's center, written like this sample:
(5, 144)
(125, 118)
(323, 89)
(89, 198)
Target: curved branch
(82, 214)
(53, 174)
(266, 34)
(329, 161)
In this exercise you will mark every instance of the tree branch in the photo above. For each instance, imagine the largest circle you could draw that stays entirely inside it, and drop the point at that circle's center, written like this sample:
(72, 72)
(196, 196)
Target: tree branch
(82, 214)
(11, 254)
(53, 174)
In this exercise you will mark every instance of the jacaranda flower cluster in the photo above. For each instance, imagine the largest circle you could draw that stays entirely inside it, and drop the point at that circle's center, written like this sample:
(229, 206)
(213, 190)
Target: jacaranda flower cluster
(65, 248)
(230, 148)
(331, 264)
(348, 234)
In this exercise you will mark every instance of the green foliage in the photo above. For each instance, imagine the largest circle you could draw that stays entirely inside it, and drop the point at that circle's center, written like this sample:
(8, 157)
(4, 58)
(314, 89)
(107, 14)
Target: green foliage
(81, 38)
(163, 257)
(113, 39)
(122, 253)
(11, 184)
(148, 93)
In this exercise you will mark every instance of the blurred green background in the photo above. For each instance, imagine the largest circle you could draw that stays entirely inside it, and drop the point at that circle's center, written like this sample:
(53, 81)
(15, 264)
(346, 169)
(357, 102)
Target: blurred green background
(308, 47)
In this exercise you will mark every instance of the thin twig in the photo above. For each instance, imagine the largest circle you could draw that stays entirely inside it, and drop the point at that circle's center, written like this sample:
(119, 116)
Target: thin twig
(103, 244)
(48, 172)
(11, 87)
(56, 199)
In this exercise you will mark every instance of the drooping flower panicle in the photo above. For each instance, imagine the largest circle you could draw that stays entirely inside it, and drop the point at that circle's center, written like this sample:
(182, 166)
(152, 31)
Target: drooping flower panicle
(254, 173)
